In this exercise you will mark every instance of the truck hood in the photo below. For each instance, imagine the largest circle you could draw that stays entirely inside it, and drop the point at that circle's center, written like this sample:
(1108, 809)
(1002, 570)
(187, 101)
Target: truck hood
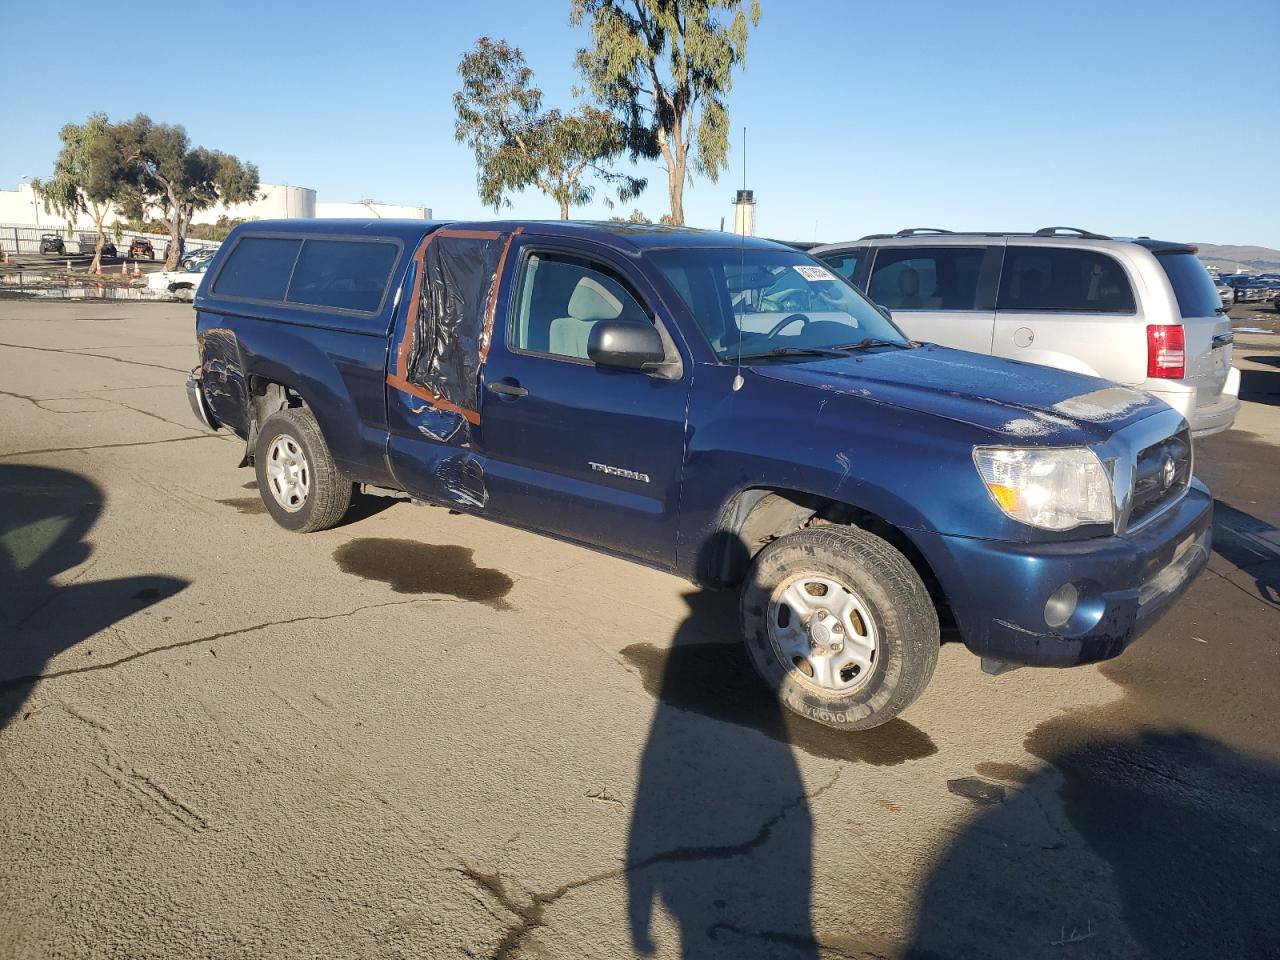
(1027, 403)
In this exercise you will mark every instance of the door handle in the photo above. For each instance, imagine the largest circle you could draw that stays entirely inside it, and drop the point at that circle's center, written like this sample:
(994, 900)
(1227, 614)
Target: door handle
(507, 387)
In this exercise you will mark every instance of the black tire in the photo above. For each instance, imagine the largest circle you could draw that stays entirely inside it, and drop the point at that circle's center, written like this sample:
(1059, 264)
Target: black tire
(328, 491)
(890, 590)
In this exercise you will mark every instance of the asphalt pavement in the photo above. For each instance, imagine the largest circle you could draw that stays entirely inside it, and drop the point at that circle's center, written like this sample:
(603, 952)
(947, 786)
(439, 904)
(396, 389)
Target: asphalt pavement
(424, 735)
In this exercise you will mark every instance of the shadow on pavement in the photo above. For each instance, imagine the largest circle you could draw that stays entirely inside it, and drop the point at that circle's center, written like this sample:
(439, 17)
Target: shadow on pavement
(1184, 837)
(45, 514)
(721, 831)
(1251, 544)
(1261, 386)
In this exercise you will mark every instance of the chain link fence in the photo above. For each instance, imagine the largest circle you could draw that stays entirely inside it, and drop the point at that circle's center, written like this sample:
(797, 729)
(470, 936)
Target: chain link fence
(25, 239)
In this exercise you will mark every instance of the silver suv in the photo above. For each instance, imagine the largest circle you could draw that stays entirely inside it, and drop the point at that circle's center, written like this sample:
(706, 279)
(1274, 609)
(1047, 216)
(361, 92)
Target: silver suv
(1140, 312)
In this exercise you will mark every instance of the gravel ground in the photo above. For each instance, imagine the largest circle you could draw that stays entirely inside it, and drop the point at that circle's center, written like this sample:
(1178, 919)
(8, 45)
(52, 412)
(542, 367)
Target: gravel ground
(423, 735)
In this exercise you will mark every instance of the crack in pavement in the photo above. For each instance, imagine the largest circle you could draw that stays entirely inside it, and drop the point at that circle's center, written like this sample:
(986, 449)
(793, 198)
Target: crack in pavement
(41, 405)
(1269, 604)
(532, 915)
(79, 352)
(14, 683)
(109, 446)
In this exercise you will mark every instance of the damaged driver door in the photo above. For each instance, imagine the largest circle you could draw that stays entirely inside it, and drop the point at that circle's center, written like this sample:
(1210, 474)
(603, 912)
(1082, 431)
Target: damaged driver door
(438, 344)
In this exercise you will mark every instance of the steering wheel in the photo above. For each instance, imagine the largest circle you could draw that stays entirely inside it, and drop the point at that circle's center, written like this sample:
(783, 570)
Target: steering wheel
(787, 321)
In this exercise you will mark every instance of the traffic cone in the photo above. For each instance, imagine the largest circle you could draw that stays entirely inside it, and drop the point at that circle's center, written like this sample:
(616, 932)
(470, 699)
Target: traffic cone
(136, 272)
(6, 258)
(124, 269)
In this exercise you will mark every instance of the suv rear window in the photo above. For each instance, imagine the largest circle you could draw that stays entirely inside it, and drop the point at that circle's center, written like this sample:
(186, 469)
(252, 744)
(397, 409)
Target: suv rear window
(1196, 292)
(258, 268)
(344, 274)
(926, 278)
(1061, 279)
(845, 262)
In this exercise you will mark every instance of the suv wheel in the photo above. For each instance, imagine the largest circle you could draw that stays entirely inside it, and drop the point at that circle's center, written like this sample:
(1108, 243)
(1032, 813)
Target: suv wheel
(297, 478)
(840, 625)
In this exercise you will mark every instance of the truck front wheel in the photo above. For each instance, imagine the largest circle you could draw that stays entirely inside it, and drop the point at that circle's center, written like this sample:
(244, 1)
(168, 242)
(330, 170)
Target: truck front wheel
(840, 625)
(300, 485)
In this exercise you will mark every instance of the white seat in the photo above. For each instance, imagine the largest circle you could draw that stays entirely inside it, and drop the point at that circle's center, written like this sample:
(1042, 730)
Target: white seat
(590, 302)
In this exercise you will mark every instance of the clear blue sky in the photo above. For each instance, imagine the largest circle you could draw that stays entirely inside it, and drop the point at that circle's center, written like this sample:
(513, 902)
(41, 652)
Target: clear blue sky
(1126, 116)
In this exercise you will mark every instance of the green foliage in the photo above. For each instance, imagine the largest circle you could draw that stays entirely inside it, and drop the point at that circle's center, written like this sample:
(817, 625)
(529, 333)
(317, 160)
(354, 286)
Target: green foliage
(87, 177)
(636, 216)
(663, 68)
(165, 170)
(517, 144)
(217, 230)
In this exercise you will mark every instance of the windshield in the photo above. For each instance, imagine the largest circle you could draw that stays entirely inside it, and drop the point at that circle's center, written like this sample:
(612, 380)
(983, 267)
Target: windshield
(771, 302)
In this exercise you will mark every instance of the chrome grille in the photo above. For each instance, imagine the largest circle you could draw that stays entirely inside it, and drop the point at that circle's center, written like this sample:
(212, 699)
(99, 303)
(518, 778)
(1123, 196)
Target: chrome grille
(1160, 477)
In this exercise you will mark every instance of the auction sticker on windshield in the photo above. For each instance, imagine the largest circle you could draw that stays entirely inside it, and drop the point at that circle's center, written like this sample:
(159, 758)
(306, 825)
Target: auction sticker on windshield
(812, 272)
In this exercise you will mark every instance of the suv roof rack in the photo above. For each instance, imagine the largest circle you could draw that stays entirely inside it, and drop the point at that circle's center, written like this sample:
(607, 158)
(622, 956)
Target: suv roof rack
(916, 231)
(937, 231)
(1059, 231)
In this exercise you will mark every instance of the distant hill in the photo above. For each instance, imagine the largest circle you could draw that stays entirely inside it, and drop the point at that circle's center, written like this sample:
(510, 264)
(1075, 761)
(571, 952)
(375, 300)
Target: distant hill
(1229, 258)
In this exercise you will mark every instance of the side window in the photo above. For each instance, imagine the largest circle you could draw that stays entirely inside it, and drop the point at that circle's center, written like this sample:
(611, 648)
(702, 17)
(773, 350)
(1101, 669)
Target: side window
(561, 299)
(1047, 278)
(345, 274)
(926, 278)
(844, 262)
(258, 268)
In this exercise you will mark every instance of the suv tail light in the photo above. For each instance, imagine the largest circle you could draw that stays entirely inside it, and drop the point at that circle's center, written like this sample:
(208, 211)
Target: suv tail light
(1166, 351)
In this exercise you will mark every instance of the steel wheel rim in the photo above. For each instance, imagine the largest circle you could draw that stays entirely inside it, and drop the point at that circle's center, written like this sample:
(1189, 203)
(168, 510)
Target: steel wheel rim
(823, 633)
(288, 473)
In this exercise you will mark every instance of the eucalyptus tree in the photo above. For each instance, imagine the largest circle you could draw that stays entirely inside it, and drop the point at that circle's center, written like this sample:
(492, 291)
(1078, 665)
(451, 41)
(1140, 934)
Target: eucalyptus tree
(664, 68)
(166, 171)
(518, 144)
(87, 178)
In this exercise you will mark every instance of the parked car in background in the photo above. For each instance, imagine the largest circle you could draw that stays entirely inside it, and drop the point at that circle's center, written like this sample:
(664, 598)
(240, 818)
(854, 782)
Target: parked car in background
(181, 283)
(722, 407)
(1142, 312)
(52, 243)
(197, 255)
(88, 242)
(1225, 293)
(141, 249)
(1249, 288)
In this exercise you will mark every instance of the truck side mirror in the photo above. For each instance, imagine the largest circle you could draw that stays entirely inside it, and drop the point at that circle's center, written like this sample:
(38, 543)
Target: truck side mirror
(628, 345)
(884, 311)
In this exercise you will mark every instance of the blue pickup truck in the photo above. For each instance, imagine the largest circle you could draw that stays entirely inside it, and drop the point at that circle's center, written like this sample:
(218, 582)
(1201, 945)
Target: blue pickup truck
(724, 408)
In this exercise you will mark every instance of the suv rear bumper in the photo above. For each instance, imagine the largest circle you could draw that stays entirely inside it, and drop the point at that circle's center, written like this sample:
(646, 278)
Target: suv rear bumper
(1206, 419)
(998, 590)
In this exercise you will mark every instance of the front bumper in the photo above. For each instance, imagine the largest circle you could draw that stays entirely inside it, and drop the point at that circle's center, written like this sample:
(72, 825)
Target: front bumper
(998, 590)
(199, 405)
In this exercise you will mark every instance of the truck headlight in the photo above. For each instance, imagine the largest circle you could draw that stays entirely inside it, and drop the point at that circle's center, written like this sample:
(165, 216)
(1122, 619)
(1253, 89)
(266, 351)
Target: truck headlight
(1054, 489)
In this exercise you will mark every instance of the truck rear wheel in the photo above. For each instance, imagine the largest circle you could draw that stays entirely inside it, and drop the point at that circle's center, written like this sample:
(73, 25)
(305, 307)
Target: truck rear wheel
(300, 485)
(840, 625)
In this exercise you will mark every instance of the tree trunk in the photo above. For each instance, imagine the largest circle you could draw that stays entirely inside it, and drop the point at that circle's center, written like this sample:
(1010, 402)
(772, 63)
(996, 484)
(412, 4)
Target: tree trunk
(99, 214)
(564, 209)
(174, 255)
(674, 153)
(675, 190)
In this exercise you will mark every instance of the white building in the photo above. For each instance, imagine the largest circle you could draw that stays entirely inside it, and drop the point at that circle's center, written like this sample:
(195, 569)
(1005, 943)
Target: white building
(22, 207)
